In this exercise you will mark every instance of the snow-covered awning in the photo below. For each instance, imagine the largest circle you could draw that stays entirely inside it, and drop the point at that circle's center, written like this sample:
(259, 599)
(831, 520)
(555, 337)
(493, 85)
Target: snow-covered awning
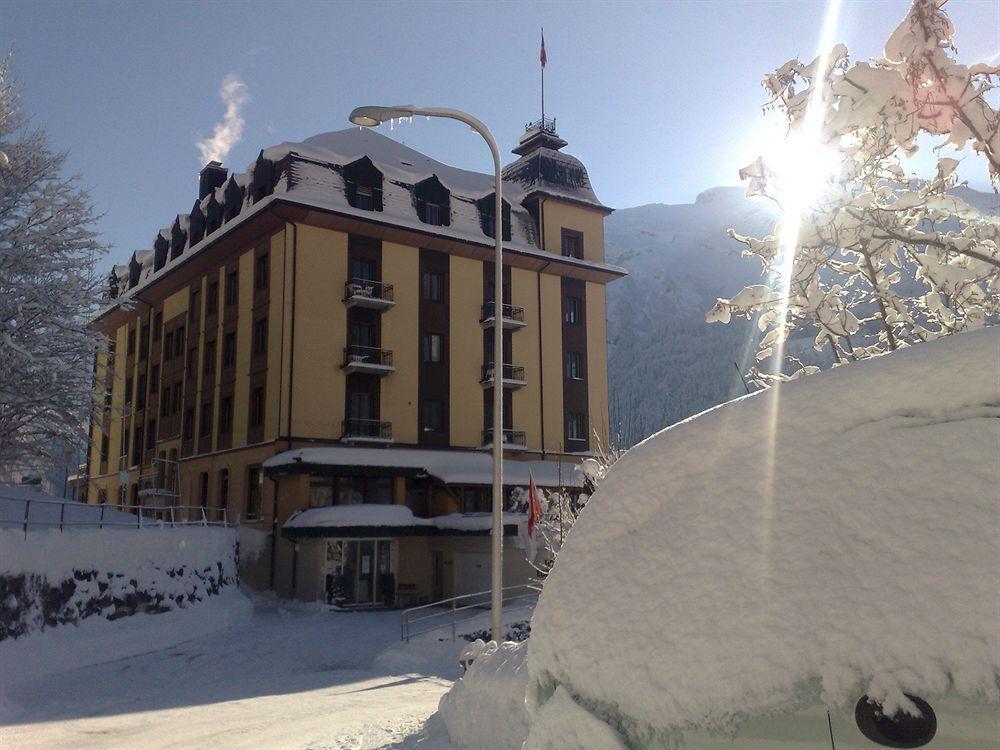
(449, 466)
(369, 519)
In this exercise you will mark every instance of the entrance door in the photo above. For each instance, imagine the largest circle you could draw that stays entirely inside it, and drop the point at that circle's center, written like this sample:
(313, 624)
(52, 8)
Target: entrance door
(473, 573)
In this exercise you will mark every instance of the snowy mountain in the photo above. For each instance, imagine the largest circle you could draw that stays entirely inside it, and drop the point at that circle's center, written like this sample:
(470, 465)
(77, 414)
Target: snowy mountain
(665, 362)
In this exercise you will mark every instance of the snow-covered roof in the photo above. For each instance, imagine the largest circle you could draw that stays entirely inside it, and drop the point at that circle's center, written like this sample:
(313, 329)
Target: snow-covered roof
(312, 174)
(373, 515)
(833, 537)
(450, 466)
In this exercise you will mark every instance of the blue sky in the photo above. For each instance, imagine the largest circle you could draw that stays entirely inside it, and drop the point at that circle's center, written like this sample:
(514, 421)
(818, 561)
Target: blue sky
(660, 100)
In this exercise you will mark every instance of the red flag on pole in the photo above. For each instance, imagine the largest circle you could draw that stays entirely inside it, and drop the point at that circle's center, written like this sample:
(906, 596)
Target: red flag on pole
(542, 58)
(534, 507)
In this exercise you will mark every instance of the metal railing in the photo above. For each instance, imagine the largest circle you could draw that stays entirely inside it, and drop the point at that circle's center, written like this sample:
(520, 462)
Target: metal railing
(546, 124)
(367, 355)
(510, 312)
(510, 372)
(57, 514)
(367, 289)
(367, 429)
(513, 438)
(450, 613)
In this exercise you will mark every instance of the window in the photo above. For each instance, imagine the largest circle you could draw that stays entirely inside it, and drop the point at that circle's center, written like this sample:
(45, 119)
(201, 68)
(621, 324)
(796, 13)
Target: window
(140, 393)
(206, 420)
(379, 490)
(188, 424)
(124, 450)
(431, 347)
(432, 214)
(179, 342)
(433, 415)
(475, 500)
(168, 346)
(572, 244)
(362, 334)
(165, 402)
(151, 434)
(226, 415)
(137, 444)
(363, 269)
(360, 406)
(130, 346)
(364, 197)
(212, 299)
(229, 350)
(432, 287)
(260, 336)
(128, 390)
(321, 491)
(104, 448)
(232, 288)
(254, 482)
(261, 272)
(224, 489)
(574, 365)
(157, 326)
(573, 313)
(195, 308)
(154, 378)
(203, 489)
(192, 363)
(257, 407)
(209, 363)
(576, 426)
(144, 342)
(178, 390)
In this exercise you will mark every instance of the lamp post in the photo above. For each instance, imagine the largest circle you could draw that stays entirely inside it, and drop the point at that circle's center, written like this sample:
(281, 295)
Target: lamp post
(370, 117)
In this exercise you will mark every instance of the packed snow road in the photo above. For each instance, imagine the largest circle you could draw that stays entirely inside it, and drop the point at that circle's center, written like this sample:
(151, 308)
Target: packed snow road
(282, 679)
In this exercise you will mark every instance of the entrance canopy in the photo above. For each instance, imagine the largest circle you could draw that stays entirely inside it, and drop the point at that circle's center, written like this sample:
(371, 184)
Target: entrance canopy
(450, 467)
(376, 520)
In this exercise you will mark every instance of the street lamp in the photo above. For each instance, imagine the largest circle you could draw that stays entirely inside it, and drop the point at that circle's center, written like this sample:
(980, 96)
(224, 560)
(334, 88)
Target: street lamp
(370, 117)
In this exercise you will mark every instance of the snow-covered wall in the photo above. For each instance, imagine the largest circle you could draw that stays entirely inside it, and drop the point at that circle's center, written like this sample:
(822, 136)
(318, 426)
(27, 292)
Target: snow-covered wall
(50, 578)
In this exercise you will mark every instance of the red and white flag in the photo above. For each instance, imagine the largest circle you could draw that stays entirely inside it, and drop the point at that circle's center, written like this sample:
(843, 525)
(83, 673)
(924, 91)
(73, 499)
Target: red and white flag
(542, 58)
(534, 507)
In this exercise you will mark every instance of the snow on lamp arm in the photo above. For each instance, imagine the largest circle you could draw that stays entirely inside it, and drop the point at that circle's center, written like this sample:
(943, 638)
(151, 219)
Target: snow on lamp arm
(372, 116)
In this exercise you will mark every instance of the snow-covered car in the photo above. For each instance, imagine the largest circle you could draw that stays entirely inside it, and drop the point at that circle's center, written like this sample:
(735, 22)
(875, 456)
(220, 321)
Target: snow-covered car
(814, 566)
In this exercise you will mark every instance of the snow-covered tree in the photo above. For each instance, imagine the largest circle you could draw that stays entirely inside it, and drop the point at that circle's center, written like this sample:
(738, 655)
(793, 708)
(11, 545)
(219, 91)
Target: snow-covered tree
(48, 288)
(870, 257)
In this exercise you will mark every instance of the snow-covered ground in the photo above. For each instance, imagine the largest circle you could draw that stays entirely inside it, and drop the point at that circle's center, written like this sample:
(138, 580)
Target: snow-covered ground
(287, 677)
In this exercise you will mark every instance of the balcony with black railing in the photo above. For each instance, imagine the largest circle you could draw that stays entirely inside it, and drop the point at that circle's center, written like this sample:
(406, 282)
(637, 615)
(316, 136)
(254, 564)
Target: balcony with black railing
(374, 295)
(367, 431)
(513, 376)
(512, 439)
(371, 360)
(513, 316)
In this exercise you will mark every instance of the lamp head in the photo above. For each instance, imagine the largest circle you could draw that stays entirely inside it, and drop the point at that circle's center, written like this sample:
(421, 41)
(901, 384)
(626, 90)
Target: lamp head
(369, 117)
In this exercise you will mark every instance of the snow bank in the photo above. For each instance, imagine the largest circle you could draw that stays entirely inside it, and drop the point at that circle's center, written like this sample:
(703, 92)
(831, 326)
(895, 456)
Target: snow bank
(562, 724)
(97, 640)
(831, 537)
(485, 708)
(48, 578)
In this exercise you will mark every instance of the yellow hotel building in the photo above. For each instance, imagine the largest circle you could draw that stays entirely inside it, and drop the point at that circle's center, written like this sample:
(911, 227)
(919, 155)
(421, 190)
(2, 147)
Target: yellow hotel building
(307, 352)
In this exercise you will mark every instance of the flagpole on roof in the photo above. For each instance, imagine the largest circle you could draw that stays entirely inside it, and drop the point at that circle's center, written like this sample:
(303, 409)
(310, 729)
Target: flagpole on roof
(542, 59)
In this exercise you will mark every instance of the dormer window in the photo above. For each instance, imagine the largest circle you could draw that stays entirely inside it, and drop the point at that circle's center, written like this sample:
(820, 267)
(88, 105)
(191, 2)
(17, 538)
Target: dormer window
(487, 219)
(432, 202)
(363, 185)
